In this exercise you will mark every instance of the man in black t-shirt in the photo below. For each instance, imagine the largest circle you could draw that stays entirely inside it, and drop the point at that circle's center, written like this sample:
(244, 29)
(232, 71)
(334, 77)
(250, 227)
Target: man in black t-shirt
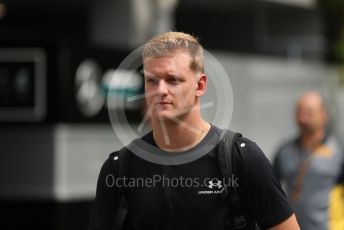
(173, 179)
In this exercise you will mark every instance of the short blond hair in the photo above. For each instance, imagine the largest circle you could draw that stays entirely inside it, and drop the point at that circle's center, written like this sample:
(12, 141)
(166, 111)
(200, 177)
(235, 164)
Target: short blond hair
(172, 41)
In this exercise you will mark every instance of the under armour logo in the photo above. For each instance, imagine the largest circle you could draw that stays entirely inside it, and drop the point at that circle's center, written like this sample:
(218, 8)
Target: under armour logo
(215, 183)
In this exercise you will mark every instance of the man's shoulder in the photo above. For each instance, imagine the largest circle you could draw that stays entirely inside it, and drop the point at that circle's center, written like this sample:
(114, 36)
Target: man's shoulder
(334, 141)
(113, 156)
(148, 138)
(246, 149)
(244, 141)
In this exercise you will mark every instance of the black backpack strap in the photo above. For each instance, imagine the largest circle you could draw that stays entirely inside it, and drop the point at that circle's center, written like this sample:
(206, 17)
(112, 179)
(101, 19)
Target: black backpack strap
(225, 154)
(121, 165)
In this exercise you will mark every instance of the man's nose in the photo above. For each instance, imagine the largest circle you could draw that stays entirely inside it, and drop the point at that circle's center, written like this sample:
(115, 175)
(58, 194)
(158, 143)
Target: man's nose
(162, 87)
(302, 118)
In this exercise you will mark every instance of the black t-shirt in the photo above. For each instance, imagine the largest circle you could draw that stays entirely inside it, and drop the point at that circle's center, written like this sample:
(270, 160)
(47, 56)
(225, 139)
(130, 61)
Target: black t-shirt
(189, 196)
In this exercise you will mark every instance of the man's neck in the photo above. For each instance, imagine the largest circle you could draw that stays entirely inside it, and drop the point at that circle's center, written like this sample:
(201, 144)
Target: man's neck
(310, 141)
(176, 137)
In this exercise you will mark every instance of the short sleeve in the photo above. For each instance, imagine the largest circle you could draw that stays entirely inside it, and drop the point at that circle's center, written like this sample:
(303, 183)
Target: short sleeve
(265, 199)
(106, 201)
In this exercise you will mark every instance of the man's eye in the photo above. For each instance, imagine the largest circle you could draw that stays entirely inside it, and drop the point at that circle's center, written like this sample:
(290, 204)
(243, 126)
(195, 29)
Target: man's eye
(174, 80)
(151, 80)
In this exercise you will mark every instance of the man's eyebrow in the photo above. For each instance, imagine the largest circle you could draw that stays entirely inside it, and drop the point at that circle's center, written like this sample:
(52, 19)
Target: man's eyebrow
(168, 75)
(147, 74)
(150, 76)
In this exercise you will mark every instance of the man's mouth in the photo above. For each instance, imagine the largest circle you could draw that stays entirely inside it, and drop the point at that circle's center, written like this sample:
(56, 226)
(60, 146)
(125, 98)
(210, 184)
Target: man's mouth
(163, 103)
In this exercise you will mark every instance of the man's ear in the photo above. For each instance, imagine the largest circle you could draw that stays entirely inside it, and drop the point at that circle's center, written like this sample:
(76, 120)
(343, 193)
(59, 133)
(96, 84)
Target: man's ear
(201, 85)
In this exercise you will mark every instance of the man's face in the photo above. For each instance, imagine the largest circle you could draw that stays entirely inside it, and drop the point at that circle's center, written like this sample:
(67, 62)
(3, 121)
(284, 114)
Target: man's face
(171, 87)
(310, 114)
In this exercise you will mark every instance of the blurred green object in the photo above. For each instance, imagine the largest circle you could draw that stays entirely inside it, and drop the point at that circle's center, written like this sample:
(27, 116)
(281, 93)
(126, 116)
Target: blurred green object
(332, 5)
(339, 47)
(333, 11)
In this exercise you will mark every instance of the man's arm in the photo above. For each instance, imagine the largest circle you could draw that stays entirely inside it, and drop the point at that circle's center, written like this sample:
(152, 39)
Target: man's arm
(288, 224)
(264, 196)
(107, 198)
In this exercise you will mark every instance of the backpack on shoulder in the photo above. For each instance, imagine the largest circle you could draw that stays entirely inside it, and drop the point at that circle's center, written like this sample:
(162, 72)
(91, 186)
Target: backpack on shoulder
(229, 165)
(237, 212)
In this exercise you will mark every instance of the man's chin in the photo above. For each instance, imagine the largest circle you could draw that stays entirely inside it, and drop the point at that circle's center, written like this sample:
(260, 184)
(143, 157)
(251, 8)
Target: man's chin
(164, 115)
(307, 130)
